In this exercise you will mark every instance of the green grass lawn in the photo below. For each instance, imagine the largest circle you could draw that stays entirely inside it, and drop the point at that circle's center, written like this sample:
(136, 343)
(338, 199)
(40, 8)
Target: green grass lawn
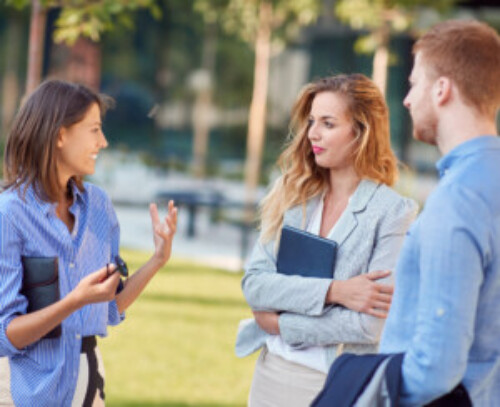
(176, 346)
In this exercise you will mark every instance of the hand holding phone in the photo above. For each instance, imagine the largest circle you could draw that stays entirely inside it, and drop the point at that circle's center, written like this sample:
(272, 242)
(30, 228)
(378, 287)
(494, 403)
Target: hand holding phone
(119, 266)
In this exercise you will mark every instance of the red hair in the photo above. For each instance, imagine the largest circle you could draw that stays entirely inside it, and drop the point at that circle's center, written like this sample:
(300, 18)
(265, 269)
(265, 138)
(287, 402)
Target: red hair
(468, 52)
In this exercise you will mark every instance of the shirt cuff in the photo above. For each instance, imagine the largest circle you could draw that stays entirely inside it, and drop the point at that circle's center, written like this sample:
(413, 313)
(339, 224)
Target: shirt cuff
(114, 316)
(293, 332)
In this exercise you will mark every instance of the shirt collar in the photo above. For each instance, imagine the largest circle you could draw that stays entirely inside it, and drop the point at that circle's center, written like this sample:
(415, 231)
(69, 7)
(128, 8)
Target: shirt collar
(30, 193)
(76, 192)
(468, 147)
(44, 206)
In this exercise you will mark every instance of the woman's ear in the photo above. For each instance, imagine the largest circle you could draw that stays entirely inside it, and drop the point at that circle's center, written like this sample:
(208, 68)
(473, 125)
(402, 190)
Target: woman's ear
(61, 137)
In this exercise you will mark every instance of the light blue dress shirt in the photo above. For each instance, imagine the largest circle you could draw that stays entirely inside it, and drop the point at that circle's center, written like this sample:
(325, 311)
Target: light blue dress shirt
(445, 310)
(45, 373)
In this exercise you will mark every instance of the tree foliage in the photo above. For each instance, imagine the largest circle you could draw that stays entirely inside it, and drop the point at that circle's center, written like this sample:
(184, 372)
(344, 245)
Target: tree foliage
(91, 18)
(384, 17)
(241, 17)
(262, 23)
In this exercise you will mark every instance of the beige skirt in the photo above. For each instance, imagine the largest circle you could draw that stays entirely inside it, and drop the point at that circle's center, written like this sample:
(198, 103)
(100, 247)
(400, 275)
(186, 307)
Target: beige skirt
(280, 383)
(5, 398)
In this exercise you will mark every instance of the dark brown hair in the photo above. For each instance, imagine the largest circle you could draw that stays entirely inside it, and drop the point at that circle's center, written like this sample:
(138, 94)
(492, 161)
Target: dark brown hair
(29, 158)
(468, 52)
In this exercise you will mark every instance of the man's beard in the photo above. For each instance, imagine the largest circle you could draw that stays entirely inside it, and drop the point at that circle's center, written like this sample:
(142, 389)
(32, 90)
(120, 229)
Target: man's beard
(426, 132)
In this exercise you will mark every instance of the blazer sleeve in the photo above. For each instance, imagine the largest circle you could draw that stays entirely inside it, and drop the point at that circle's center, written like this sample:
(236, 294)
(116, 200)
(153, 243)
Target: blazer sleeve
(267, 290)
(340, 324)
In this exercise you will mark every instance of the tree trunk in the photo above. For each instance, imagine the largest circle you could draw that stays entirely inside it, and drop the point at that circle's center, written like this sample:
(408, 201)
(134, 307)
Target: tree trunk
(203, 104)
(84, 65)
(10, 84)
(35, 47)
(80, 63)
(257, 115)
(201, 128)
(381, 60)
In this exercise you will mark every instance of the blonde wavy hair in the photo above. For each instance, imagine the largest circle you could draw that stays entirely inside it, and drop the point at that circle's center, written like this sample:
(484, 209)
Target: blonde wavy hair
(301, 177)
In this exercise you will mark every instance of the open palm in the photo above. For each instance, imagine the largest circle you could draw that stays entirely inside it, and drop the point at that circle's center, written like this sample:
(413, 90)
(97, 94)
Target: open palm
(163, 231)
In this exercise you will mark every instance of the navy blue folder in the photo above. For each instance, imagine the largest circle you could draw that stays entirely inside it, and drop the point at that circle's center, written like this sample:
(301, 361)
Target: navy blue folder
(305, 254)
(41, 285)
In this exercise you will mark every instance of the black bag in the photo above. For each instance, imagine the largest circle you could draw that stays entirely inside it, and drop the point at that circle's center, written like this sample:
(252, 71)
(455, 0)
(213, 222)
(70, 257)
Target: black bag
(458, 397)
(350, 374)
(41, 285)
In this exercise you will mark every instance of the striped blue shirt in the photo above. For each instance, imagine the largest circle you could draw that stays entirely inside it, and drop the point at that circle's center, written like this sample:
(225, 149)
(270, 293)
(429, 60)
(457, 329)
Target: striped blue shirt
(45, 373)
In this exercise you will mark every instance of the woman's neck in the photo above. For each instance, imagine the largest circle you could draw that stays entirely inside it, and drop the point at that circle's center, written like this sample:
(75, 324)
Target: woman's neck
(64, 202)
(341, 186)
(64, 188)
(343, 183)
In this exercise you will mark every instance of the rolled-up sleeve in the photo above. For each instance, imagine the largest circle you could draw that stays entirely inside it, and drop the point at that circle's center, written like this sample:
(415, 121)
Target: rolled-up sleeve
(114, 316)
(12, 302)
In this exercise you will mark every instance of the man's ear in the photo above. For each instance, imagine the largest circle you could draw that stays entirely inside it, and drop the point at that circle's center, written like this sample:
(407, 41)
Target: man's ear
(442, 90)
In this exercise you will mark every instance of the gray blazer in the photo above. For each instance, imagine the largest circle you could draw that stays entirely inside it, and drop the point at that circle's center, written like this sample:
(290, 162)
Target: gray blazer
(369, 235)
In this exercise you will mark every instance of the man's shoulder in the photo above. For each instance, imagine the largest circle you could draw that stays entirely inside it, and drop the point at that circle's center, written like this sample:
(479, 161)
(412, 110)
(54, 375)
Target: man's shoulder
(458, 203)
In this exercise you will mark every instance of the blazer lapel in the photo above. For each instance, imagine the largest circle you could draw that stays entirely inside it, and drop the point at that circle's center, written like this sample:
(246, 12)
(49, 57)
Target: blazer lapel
(348, 221)
(295, 216)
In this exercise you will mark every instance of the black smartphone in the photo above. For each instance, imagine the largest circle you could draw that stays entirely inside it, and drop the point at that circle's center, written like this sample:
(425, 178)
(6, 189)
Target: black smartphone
(121, 266)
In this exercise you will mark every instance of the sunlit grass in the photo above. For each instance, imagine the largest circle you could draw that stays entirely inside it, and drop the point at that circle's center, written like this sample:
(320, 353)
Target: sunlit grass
(176, 346)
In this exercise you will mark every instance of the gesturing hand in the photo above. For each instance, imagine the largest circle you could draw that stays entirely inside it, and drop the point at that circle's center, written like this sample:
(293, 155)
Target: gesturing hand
(163, 231)
(96, 287)
(363, 294)
(268, 321)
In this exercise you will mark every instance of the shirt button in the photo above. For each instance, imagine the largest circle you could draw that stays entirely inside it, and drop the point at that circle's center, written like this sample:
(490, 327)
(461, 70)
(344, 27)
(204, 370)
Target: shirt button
(71, 265)
(78, 336)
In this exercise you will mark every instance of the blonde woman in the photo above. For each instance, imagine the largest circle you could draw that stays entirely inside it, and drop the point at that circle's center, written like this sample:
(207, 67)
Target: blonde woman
(336, 175)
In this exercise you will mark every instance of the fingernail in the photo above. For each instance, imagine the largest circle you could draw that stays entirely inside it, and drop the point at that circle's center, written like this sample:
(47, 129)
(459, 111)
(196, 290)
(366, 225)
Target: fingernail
(110, 268)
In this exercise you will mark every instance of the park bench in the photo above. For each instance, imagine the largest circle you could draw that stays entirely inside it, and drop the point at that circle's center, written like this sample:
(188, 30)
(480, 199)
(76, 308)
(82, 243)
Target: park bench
(232, 212)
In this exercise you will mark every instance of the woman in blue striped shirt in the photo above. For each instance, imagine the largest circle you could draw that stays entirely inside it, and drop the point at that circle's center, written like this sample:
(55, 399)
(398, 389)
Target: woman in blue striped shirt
(47, 211)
